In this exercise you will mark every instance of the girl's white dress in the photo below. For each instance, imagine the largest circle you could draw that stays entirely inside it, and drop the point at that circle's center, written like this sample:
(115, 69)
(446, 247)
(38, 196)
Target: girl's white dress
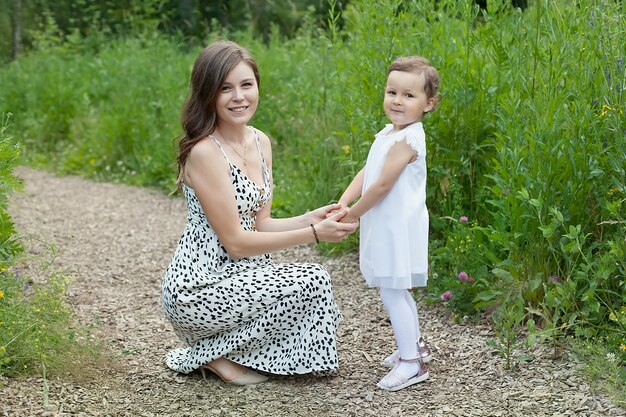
(394, 233)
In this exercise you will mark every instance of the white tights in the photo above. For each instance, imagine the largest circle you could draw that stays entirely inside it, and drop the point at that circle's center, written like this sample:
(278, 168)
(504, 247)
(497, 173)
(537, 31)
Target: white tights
(406, 326)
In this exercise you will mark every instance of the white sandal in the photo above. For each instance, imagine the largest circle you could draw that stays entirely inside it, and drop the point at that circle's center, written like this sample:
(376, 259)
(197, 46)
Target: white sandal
(423, 349)
(394, 382)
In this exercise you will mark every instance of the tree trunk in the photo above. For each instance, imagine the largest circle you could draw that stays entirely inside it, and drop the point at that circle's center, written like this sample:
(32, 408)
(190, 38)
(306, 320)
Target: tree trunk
(17, 28)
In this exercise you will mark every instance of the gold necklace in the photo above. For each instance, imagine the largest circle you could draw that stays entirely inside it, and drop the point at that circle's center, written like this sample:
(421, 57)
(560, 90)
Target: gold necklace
(243, 157)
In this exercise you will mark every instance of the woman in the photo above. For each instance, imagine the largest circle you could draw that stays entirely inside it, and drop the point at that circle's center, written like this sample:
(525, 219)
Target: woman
(229, 303)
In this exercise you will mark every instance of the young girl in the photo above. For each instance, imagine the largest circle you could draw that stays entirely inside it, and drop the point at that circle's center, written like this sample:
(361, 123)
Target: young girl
(394, 218)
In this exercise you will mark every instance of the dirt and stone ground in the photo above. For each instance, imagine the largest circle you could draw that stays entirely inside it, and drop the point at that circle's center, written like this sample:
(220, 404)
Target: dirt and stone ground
(115, 242)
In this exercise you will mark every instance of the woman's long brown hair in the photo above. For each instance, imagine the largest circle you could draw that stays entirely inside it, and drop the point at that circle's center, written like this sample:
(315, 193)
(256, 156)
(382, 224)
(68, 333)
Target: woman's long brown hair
(199, 118)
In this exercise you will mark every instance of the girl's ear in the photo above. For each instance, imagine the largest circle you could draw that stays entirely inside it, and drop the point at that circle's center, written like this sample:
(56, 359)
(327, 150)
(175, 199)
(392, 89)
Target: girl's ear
(430, 106)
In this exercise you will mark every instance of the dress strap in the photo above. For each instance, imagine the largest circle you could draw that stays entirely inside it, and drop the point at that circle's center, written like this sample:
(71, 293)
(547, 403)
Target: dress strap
(219, 145)
(266, 172)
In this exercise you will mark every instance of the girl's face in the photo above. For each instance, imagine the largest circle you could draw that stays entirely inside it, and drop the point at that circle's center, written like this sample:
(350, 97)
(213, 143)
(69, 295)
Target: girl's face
(405, 99)
(239, 96)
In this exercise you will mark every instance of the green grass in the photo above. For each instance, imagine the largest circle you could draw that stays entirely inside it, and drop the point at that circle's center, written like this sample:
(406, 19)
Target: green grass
(37, 330)
(603, 370)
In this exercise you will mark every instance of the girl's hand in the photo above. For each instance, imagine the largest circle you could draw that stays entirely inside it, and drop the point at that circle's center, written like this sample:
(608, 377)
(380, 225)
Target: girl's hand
(340, 206)
(349, 218)
(331, 230)
(317, 215)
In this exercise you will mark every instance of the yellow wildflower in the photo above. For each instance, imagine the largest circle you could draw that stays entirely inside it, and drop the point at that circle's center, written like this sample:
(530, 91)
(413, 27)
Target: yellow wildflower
(605, 109)
(622, 346)
(346, 149)
(1, 294)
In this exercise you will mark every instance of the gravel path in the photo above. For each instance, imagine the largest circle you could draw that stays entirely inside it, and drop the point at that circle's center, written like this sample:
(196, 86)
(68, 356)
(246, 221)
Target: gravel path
(115, 241)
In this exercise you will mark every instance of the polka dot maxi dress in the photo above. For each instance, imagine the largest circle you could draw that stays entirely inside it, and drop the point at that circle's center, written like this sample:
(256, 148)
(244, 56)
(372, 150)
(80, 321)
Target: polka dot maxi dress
(277, 318)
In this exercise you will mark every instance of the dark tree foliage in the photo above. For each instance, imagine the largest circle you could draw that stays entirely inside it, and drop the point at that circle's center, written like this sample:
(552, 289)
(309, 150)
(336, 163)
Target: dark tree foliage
(522, 4)
(22, 21)
(194, 18)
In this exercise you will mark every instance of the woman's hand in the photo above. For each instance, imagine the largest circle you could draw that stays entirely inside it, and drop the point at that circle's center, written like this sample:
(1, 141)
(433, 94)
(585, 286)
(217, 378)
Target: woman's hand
(340, 206)
(317, 215)
(331, 230)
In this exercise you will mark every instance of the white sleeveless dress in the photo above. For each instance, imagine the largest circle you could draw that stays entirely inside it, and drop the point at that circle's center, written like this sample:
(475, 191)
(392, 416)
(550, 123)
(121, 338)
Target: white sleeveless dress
(394, 233)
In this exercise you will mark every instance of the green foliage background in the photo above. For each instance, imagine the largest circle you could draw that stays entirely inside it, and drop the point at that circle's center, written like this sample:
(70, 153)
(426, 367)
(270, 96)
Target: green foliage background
(528, 143)
(9, 154)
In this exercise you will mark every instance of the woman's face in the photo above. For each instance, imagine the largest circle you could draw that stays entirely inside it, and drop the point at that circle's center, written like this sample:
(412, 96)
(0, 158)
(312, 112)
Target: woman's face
(238, 97)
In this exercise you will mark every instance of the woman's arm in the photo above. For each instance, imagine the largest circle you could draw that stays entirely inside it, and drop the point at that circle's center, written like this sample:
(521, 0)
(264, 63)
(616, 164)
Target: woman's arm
(270, 224)
(400, 154)
(207, 172)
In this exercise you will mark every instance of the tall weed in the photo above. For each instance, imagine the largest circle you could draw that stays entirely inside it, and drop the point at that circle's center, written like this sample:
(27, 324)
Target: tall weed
(38, 334)
(553, 176)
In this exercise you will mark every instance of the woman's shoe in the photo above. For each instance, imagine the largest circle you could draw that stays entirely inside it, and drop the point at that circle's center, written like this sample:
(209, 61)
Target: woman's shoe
(394, 382)
(249, 377)
(423, 349)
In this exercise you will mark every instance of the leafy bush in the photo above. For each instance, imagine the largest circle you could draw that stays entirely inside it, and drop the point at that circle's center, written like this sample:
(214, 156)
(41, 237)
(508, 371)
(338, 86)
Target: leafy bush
(9, 152)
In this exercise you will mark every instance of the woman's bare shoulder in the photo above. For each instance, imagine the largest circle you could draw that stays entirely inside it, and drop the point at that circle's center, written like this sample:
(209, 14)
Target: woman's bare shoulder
(206, 148)
(263, 138)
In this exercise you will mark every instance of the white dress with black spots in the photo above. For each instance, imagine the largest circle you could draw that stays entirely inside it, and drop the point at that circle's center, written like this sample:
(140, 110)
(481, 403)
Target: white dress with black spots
(277, 318)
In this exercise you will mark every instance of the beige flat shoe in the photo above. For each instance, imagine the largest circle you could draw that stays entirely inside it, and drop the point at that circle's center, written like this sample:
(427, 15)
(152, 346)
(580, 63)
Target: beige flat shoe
(247, 378)
(394, 382)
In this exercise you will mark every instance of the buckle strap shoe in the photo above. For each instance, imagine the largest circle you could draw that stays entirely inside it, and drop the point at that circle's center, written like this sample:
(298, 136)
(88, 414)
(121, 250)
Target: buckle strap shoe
(422, 347)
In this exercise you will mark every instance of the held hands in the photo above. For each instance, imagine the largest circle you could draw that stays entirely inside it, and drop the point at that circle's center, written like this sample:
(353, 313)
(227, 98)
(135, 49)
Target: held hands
(336, 208)
(317, 215)
(333, 228)
(348, 218)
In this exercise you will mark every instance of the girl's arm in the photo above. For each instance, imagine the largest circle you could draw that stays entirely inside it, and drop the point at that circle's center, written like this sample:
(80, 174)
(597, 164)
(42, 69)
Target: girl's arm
(207, 172)
(354, 189)
(400, 154)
